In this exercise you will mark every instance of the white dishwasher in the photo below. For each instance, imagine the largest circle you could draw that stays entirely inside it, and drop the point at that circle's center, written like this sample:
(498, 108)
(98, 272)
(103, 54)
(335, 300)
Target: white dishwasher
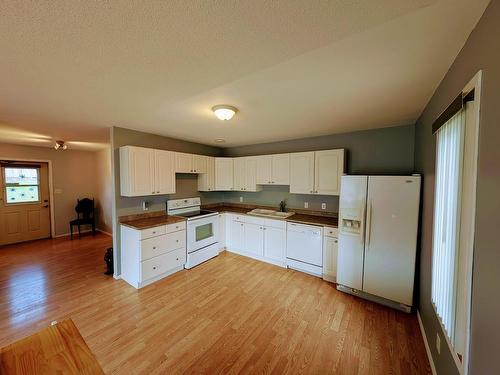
(304, 251)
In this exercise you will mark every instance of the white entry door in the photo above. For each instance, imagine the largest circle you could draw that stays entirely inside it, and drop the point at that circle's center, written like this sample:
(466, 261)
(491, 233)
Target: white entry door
(24, 202)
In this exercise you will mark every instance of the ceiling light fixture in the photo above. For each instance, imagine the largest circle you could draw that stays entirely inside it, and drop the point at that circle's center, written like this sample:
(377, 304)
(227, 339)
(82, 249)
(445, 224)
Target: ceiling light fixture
(224, 112)
(60, 145)
(219, 140)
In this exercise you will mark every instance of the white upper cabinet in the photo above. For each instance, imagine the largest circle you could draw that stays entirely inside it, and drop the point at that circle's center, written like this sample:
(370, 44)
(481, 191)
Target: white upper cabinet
(316, 172)
(281, 169)
(206, 181)
(164, 172)
(190, 163)
(273, 169)
(239, 174)
(264, 169)
(144, 171)
(328, 169)
(302, 173)
(245, 174)
(200, 163)
(183, 163)
(223, 174)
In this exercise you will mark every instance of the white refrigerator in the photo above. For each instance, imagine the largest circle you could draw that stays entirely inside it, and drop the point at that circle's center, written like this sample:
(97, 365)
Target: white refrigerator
(378, 223)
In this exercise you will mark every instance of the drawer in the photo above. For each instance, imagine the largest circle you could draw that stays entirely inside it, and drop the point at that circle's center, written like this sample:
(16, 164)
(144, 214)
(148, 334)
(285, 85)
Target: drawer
(281, 224)
(153, 232)
(162, 263)
(155, 246)
(251, 220)
(181, 225)
(331, 232)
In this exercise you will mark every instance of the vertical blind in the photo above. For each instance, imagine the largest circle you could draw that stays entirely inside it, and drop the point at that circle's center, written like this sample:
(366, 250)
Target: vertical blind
(448, 186)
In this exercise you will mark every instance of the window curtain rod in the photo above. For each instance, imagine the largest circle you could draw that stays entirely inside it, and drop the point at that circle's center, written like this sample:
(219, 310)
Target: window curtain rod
(455, 107)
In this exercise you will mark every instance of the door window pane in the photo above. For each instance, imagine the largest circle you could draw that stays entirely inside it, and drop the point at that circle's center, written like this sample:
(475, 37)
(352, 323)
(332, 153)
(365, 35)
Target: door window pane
(21, 185)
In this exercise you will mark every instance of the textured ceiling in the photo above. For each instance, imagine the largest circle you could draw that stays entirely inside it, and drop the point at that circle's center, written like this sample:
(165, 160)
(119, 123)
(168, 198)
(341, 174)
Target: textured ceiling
(294, 68)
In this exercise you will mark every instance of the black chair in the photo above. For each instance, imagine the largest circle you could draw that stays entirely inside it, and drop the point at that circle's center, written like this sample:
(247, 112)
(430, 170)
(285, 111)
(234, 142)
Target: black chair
(85, 211)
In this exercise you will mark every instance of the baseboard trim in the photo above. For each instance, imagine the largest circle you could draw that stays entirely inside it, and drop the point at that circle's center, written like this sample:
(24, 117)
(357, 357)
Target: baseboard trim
(426, 343)
(83, 231)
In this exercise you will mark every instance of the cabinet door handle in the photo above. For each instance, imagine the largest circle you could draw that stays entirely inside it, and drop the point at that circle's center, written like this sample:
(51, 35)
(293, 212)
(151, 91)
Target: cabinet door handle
(154, 267)
(154, 247)
(176, 240)
(154, 232)
(312, 191)
(177, 258)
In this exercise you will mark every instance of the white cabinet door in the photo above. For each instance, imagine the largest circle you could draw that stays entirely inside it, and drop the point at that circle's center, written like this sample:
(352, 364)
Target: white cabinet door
(264, 169)
(330, 249)
(200, 163)
(281, 169)
(222, 231)
(254, 239)
(236, 236)
(302, 173)
(223, 174)
(239, 173)
(328, 169)
(183, 163)
(274, 244)
(251, 174)
(164, 172)
(137, 166)
(206, 181)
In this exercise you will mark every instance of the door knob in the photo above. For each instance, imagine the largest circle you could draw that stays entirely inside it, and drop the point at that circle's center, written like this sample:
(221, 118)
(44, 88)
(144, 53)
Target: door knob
(45, 206)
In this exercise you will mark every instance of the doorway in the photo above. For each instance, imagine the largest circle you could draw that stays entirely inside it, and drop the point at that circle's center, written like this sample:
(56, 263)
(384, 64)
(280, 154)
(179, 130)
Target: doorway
(24, 201)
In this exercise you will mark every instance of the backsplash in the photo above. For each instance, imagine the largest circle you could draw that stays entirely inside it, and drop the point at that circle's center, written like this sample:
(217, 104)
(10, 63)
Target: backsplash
(272, 195)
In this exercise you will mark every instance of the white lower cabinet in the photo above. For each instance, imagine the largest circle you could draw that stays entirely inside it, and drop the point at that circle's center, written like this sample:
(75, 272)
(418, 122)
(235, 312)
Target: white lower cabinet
(330, 250)
(254, 239)
(258, 238)
(275, 244)
(151, 254)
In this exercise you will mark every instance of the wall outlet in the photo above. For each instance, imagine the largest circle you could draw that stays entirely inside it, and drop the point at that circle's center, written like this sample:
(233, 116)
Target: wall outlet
(306, 204)
(145, 205)
(438, 343)
(323, 206)
(241, 199)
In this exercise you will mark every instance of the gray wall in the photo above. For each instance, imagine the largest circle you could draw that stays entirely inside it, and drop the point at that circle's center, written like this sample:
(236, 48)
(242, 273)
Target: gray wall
(481, 51)
(377, 151)
(186, 184)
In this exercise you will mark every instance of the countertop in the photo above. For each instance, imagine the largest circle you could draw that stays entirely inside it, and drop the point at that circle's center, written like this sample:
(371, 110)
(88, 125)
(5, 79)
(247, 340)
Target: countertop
(322, 220)
(146, 221)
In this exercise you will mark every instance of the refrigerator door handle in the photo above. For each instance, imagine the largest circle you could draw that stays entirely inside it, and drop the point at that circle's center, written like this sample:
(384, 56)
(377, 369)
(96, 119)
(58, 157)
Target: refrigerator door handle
(368, 224)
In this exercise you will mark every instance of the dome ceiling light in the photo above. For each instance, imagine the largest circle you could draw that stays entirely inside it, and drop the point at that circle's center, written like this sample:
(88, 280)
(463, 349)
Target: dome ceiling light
(224, 112)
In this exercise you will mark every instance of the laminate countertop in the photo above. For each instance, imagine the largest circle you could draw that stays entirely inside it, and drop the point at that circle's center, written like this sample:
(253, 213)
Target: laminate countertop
(302, 218)
(149, 221)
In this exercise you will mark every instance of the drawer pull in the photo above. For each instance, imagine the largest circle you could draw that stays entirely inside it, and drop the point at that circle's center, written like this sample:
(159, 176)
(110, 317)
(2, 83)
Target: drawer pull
(154, 267)
(154, 232)
(176, 240)
(154, 247)
(177, 258)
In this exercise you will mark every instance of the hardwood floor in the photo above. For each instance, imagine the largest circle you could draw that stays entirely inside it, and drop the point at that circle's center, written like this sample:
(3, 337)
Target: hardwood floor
(229, 315)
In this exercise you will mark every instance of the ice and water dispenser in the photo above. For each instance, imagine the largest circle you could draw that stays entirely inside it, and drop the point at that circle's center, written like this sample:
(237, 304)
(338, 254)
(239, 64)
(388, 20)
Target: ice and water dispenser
(351, 221)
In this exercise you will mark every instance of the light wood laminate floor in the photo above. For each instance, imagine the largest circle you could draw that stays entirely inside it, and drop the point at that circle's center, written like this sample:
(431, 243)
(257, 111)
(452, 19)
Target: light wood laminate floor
(229, 315)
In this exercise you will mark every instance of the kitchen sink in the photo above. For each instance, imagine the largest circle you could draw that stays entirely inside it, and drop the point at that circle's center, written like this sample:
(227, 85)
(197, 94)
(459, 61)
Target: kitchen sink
(270, 213)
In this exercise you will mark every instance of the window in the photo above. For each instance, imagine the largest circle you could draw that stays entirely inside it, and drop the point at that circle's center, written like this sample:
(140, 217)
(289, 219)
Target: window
(22, 184)
(454, 213)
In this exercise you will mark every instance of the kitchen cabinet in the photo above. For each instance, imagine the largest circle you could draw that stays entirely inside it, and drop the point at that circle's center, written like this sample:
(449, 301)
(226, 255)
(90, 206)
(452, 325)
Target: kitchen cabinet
(316, 172)
(273, 169)
(206, 181)
(190, 163)
(275, 244)
(222, 232)
(223, 174)
(328, 170)
(245, 170)
(145, 171)
(151, 254)
(302, 173)
(236, 235)
(330, 251)
(200, 163)
(254, 239)
(164, 176)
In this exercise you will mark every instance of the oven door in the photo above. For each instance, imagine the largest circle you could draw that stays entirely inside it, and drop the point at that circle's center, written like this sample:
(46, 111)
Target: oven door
(202, 232)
